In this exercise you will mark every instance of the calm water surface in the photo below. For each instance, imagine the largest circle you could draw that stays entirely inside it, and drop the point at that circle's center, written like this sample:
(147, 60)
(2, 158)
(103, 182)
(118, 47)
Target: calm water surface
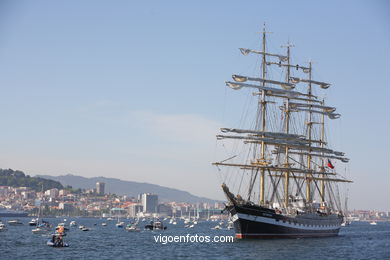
(358, 241)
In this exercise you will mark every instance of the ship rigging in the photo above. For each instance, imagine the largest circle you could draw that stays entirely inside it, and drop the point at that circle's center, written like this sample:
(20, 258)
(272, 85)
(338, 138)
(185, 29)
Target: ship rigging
(286, 162)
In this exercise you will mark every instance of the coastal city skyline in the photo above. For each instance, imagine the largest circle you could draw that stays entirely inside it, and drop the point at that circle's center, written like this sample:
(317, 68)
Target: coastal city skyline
(125, 91)
(95, 202)
(51, 198)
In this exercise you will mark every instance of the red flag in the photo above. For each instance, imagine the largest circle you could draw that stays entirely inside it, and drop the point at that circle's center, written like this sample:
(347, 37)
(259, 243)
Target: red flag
(330, 165)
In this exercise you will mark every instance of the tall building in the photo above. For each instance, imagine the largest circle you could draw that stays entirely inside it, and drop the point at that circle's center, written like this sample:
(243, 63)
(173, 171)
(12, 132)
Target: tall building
(134, 209)
(52, 193)
(149, 202)
(100, 188)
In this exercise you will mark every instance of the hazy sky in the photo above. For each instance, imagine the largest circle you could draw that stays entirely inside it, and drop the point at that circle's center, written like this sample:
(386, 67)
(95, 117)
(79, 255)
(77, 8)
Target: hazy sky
(135, 89)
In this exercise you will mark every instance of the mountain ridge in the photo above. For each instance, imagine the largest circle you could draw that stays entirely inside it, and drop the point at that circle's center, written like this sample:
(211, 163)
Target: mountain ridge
(129, 188)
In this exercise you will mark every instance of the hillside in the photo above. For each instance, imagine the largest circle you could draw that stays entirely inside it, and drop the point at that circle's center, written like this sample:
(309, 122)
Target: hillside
(129, 188)
(9, 177)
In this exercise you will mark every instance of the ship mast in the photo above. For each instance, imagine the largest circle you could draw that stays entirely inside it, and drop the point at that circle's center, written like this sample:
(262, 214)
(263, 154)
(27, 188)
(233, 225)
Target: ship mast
(310, 124)
(287, 128)
(280, 169)
(322, 159)
(263, 115)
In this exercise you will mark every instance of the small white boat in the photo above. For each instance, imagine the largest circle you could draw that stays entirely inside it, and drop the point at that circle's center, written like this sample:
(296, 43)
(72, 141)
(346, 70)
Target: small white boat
(373, 223)
(109, 219)
(132, 228)
(81, 226)
(155, 225)
(230, 225)
(85, 229)
(120, 224)
(49, 243)
(56, 242)
(33, 222)
(216, 227)
(15, 222)
(39, 230)
(73, 223)
(104, 224)
(2, 227)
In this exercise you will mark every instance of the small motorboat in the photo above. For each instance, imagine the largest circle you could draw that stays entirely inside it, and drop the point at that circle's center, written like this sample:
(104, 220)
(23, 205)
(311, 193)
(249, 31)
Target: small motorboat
(132, 228)
(57, 241)
(73, 223)
(49, 243)
(216, 227)
(15, 222)
(85, 229)
(120, 224)
(230, 225)
(155, 225)
(2, 227)
(373, 223)
(33, 222)
(104, 224)
(39, 230)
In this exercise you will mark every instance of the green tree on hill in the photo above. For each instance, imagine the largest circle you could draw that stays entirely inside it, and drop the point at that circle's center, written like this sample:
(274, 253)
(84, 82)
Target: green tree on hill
(9, 177)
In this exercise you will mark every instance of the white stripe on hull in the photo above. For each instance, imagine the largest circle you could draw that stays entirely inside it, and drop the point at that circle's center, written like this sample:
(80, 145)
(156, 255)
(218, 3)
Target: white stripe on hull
(273, 221)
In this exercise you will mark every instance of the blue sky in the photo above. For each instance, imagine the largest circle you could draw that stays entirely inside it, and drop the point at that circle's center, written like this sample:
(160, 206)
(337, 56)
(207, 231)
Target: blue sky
(135, 89)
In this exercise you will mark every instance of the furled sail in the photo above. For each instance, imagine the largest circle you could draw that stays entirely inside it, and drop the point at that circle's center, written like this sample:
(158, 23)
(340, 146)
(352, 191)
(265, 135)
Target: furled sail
(323, 85)
(262, 133)
(272, 141)
(247, 51)
(312, 148)
(238, 85)
(284, 85)
(343, 159)
(329, 114)
(325, 108)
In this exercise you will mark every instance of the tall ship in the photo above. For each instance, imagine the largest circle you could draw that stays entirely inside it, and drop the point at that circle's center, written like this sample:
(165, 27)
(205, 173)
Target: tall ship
(279, 172)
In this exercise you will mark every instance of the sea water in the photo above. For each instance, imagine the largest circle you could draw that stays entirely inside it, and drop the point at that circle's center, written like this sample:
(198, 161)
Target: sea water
(360, 240)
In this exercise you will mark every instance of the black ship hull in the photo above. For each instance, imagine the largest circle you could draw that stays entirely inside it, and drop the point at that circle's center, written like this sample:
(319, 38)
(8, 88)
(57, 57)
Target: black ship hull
(257, 222)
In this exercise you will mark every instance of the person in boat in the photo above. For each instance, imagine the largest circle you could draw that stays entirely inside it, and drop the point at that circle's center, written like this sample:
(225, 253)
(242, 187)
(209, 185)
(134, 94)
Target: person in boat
(61, 233)
(57, 241)
(61, 230)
